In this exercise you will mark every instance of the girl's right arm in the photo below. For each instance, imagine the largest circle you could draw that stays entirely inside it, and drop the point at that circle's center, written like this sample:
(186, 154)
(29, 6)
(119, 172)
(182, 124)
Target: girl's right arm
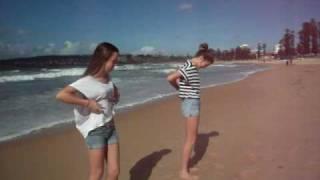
(174, 78)
(70, 95)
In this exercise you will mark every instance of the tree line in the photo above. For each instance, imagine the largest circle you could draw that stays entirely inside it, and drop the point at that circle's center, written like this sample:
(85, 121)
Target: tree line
(56, 61)
(308, 40)
(238, 53)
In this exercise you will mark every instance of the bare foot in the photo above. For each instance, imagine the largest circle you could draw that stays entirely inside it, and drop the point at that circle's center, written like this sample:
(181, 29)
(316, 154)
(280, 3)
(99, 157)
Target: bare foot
(188, 176)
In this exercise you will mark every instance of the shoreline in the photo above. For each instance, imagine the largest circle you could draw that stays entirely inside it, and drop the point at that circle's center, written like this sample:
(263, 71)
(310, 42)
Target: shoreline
(248, 131)
(37, 131)
(127, 108)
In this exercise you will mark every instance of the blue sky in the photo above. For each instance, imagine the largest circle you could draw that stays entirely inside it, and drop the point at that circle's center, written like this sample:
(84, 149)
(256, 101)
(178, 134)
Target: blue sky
(42, 27)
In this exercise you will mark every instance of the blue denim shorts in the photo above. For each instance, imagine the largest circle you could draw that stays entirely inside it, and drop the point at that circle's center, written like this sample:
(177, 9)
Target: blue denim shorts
(190, 107)
(102, 136)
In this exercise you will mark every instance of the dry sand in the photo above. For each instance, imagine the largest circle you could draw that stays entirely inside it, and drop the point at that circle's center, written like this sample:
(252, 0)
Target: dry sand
(265, 127)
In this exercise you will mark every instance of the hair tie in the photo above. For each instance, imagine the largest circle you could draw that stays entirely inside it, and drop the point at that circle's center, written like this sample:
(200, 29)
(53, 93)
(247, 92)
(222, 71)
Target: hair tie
(203, 46)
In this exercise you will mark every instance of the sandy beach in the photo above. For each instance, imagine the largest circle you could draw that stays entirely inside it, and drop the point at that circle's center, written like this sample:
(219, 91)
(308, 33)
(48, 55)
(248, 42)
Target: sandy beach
(265, 127)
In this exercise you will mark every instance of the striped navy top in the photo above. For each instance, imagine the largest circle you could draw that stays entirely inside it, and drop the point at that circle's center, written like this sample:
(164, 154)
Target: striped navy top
(189, 85)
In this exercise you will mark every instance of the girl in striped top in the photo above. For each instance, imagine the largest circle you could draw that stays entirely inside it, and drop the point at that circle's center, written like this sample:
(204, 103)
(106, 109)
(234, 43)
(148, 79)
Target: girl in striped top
(187, 81)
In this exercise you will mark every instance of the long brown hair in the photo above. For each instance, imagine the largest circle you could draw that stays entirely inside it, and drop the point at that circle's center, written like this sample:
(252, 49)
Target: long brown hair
(206, 52)
(101, 55)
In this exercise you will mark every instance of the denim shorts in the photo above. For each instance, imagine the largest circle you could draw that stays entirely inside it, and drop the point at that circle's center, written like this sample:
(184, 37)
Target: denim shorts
(102, 136)
(190, 107)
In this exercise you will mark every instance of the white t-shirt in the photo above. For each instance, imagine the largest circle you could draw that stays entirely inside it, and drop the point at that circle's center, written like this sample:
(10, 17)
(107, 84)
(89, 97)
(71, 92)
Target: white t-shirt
(101, 93)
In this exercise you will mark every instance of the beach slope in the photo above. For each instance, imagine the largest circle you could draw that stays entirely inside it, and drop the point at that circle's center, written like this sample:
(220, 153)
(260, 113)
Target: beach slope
(264, 127)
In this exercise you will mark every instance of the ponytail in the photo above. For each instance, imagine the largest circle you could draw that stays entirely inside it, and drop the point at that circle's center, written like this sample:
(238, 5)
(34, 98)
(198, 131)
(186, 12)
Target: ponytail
(206, 52)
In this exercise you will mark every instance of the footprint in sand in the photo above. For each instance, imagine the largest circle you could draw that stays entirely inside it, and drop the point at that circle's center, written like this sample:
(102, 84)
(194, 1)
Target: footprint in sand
(219, 166)
(313, 165)
(247, 173)
(194, 169)
(213, 155)
(252, 157)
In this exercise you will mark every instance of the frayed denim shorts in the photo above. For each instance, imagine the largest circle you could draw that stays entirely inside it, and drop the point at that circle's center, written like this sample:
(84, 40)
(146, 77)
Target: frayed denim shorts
(190, 107)
(102, 136)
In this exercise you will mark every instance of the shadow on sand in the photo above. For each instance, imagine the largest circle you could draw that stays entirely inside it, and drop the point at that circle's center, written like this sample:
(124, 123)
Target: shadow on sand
(200, 147)
(143, 168)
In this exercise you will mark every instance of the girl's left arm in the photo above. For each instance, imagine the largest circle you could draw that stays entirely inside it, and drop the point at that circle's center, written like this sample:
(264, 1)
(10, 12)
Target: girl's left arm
(116, 94)
(174, 78)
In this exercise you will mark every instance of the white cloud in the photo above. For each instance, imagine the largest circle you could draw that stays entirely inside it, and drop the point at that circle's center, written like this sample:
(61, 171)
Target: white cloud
(244, 46)
(185, 7)
(68, 44)
(70, 48)
(8, 50)
(12, 33)
(93, 46)
(14, 50)
(21, 32)
(50, 49)
(51, 44)
(150, 50)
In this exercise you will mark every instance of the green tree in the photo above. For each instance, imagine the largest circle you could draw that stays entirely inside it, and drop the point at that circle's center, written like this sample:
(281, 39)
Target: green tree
(238, 53)
(259, 49)
(288, 43)
(292, 44)
(301, 46)
(314, 36)
(306, 30)
(318, 34)
(264, 48)
(218, 53)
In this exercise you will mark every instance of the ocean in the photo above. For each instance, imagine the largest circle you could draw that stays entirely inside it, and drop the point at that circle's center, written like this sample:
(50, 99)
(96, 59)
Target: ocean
(28, 104)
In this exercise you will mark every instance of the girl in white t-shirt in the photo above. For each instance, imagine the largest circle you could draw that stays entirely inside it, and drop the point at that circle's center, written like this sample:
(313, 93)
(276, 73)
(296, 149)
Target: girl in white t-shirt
(94, 96)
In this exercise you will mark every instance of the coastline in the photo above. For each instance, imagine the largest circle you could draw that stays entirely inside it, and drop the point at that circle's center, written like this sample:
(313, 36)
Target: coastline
(248, 130)
(123, 108)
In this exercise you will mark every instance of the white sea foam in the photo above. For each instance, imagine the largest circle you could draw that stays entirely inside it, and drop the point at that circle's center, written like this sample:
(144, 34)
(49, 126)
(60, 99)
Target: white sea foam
(134, 67)
(164, 71)
(133, 102)
(225, 65)
(55, 73)
(35, 129)
(15, 71)
(159, 96)
(45, 74)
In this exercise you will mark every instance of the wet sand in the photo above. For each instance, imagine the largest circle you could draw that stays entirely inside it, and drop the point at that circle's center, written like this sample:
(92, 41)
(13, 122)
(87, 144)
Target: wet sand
(264, 127)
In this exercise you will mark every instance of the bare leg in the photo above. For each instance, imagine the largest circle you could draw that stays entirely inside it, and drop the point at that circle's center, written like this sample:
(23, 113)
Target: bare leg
(113, 161)
(96, 161)
(192, 124)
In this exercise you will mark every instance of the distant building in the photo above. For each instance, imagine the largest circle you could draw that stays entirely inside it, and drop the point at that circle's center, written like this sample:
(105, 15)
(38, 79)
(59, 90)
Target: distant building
(244, 46)
(277, 53)
(277, 49)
